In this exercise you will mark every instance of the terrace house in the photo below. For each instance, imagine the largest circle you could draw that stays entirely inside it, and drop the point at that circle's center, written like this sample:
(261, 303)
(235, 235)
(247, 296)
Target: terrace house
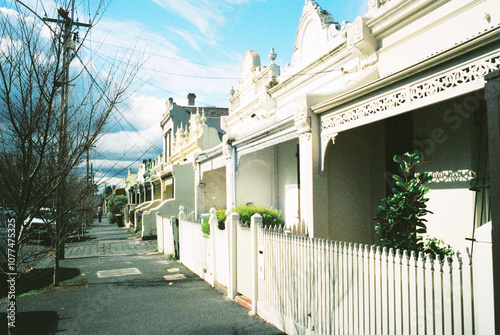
(187, 130)
(317, 138)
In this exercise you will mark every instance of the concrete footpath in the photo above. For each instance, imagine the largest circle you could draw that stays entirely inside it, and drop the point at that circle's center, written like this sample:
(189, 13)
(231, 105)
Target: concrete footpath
(126, 287)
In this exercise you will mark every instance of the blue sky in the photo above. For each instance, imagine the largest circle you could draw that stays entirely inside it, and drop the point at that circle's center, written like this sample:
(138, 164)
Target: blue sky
(185, 46)
(215, 33)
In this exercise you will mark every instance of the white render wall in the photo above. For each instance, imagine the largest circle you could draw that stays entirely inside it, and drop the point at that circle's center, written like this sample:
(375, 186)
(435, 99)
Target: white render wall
(356, 183)
(287, 181)
(214, 189)
(255, 178)
(268, 177)
(449, 142)
(183, 194)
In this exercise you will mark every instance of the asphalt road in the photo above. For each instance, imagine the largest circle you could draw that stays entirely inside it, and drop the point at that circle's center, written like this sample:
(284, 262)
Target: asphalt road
(131, 289)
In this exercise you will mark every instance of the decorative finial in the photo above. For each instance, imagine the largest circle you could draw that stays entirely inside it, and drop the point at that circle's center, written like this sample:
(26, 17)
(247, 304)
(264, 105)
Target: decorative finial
(272, 55)
(203, 118)
(180, 131)
(196, 117)
(231, 91)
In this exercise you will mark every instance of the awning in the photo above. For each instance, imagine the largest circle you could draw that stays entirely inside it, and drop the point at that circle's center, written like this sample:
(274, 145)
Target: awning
(269, 141)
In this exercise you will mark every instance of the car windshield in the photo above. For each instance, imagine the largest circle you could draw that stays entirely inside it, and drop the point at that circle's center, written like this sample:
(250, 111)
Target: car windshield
(46, 215)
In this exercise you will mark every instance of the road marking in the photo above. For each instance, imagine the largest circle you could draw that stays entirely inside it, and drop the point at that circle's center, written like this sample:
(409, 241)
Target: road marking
(177, 276)
(163, 262)
(118, 272)
(173, 270)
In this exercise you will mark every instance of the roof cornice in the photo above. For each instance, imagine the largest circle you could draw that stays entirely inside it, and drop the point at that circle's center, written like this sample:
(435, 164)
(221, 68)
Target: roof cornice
(466, 46)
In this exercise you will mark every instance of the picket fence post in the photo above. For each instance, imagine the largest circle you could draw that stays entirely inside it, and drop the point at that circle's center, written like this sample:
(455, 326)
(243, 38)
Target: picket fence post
(256, 222)
(213, 226)
(231, 289)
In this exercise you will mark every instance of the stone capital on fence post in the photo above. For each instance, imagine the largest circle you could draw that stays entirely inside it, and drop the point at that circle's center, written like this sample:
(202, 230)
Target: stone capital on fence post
(213, 226)
(256, 222)
(231, 289)
(182, 215)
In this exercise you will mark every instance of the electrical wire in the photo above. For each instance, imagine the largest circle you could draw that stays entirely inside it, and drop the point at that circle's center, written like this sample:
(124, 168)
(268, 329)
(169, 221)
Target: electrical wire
(226, 78)
(114, 106)
(167, 57)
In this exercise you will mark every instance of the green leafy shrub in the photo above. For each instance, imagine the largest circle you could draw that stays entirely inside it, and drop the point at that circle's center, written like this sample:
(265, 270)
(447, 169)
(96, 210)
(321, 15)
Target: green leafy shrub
(116, 205)
(205, 226)
(400, 220)
(434, 246)
(270, 216)
(221, 218)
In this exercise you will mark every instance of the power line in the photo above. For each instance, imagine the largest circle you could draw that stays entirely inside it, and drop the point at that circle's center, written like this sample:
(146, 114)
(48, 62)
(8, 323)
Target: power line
(114, 106)
(167, 57)
(147, 82)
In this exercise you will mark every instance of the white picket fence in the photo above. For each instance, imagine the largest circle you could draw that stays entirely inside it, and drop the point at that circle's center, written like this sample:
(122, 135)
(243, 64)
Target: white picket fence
(164, 234)
(195, 249)
(328, 287)
(314, 286)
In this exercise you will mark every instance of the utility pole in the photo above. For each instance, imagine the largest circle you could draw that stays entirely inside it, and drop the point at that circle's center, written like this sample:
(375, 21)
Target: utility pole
(68, 43)
(87, 175)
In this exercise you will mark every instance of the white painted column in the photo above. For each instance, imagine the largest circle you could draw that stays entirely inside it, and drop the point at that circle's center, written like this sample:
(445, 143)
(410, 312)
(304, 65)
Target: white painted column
(231, 169)
(256, 222)
(213, 226)
(198, 191)
(232, 253)
(313, 186)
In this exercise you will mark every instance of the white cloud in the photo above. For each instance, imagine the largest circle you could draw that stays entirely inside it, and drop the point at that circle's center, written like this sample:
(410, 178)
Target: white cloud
(129, 144)
(146, 112)
(200, 13)
(188, 37)
(205, 15)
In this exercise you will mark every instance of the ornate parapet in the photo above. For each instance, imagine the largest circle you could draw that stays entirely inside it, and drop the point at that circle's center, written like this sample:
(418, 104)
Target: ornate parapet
(255, 81)
(373, 4)
(186, 137)
(325, 17)
(169, 105)
(360, 42)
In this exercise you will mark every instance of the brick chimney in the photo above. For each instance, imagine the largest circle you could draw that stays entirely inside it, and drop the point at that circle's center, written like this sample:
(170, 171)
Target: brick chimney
(191, 97)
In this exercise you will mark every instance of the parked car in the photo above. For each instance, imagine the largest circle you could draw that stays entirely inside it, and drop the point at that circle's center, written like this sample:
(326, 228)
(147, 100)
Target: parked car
(39, 229)
(41, 226)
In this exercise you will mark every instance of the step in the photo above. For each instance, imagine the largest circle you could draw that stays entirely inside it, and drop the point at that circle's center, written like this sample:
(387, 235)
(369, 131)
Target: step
(244, 301)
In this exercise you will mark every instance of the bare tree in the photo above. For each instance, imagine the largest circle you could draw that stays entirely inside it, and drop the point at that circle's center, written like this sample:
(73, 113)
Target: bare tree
(44, 133)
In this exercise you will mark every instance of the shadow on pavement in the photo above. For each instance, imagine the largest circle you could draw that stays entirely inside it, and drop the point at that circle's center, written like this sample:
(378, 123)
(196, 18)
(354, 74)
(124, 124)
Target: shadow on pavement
(139, 283)
(37, 279)
(81, 239)
(33, 323)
